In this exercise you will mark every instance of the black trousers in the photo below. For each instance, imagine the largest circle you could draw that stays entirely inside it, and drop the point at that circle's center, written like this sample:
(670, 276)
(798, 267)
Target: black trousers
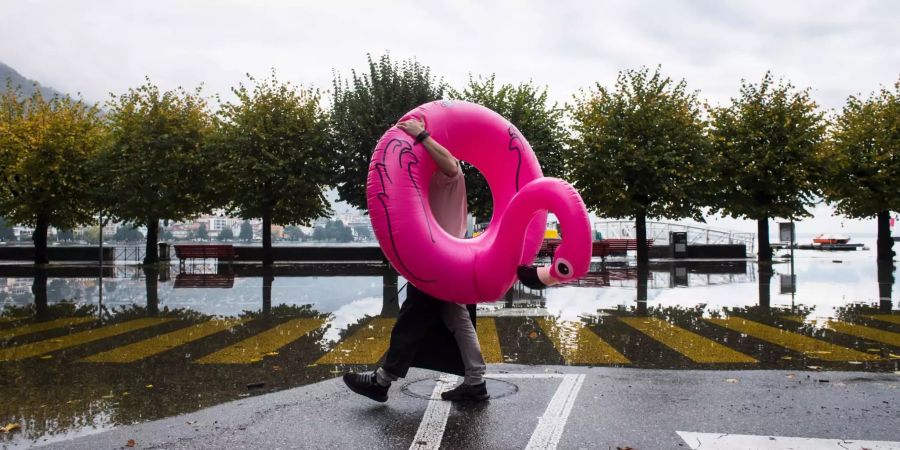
(420, 338)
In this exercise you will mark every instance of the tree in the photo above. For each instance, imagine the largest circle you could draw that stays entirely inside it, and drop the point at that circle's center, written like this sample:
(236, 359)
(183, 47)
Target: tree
(294, 233)
(365, 107)
(6, 231)
(246, 233)
(276, 155)
(45, 145)
(128, 233)
(319, 234)
(527, 107)
(157, 165)
(865, 162)
(225, 235)
(202, 233)
(363, 232)
(65, 235)
(768, 153)
(640, 150)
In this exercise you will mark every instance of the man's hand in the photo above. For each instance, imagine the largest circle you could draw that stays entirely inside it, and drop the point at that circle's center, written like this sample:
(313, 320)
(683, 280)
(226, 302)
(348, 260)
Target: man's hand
(412, 127)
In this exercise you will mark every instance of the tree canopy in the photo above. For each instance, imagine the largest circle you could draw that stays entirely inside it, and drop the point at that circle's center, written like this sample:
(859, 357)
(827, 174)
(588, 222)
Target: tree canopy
(158, 166)
(364, 107)
(527, 107)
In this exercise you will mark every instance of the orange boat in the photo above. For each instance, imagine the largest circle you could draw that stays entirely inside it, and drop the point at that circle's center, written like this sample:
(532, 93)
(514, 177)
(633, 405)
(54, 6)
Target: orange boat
(831, 239)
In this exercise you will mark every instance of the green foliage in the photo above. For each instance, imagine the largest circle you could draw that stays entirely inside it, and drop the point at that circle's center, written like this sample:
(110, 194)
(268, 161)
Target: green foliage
(128, 233)
(294, 233)
(157, 164)
(527, 107)
(864, 156)
(6, 231)
(768, 150)
(44, 148)
(202, 233)
(641, 148)
(246, 233)
(334, 230)
(225, 234)
(274, 152)
(365, 107)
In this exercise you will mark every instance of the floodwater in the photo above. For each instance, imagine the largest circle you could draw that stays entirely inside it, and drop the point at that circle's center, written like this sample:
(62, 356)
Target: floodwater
(76, 359)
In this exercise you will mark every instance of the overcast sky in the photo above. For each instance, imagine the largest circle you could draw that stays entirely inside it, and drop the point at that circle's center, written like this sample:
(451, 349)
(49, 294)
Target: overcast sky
(837, 48)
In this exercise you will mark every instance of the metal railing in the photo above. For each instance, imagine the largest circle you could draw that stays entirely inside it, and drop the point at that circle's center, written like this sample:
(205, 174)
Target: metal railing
(135, 253)
(659, 232)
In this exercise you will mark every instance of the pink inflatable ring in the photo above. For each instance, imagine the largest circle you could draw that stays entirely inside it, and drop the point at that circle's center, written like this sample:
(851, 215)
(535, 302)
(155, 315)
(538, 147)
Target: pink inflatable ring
(483, 268)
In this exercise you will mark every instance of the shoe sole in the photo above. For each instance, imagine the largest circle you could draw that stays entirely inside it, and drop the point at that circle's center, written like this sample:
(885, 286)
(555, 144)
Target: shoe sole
(364, 393)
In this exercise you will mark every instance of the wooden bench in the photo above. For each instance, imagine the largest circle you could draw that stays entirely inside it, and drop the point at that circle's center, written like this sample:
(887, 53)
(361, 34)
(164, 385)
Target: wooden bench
(602, 248)
(204, 280)
(191, 251)
(615, 247)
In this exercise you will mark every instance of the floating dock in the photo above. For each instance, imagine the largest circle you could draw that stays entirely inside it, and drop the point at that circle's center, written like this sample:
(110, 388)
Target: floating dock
(829, 247)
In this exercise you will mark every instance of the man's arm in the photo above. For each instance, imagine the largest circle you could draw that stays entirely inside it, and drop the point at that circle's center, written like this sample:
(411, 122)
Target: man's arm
(445, 161)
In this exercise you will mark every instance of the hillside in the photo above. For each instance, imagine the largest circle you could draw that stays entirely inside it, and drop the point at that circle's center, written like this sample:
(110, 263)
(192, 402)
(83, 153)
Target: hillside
(26, 85)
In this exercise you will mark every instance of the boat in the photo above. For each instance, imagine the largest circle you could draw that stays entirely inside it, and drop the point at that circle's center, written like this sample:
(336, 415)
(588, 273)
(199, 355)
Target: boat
(831, 239)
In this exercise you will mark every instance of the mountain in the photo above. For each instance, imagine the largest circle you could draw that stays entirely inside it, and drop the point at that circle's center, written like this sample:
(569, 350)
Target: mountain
(26, 85)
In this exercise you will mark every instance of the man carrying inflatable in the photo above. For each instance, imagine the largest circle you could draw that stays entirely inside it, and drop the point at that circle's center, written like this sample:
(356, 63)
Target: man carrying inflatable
(421, 312)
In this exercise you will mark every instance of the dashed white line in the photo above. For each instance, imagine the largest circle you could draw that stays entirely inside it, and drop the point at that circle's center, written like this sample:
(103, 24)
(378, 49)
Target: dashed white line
(431, 429)
(551, 424)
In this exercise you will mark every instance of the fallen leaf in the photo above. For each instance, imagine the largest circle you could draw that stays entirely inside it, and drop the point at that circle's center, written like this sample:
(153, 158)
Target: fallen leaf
(787, 357)
(47, 357)
(10, 427)
(854, 362)
(532, 335)
(130, 443)
(272, 354)
(791, 376)
(731, 380)
(814, 367)
(149, 386)
(108, 396)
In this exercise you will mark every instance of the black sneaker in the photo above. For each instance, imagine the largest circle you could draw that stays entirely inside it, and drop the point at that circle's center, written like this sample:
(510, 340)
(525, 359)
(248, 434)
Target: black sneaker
(365, 384)
(529, 277)
(467, 392)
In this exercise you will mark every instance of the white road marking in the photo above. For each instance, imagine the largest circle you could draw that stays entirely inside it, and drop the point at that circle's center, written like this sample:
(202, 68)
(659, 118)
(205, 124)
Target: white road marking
(551, 424)
(431, 429)
(719, 441)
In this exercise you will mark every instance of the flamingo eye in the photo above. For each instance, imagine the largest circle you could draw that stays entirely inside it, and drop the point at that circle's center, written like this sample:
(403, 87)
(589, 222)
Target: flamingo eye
(563, 268)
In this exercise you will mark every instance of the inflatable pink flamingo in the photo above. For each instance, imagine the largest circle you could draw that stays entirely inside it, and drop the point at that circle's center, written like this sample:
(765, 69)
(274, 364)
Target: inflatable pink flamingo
(483, 268)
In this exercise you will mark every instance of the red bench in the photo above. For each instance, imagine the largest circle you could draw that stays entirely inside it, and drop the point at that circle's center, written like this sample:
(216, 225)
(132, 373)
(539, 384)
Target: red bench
(191, 251)
(204, 280)
(602, 248)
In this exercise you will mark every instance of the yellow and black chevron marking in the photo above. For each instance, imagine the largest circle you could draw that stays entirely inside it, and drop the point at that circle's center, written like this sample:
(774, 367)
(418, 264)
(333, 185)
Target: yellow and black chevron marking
(709, 342)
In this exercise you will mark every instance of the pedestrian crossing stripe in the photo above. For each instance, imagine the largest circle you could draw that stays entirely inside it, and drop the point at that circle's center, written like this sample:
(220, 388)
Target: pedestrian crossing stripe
(51, 345)
(486, 329)
(889, 318)
(365, 346)
(577, 344)
(44, 326)
(254, 348)
(872, 334)
(158, 344)
(797, 342)
(693, 346)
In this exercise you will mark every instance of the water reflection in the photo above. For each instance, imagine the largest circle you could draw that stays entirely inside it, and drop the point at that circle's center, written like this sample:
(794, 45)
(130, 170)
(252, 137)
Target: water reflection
(64, 377)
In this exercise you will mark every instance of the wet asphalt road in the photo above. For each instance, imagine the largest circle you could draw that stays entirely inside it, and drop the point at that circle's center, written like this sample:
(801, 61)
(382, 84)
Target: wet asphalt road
(595, 408)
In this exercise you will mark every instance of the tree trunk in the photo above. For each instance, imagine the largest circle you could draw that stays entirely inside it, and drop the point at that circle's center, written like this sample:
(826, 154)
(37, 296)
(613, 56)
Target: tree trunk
(885, 241)
(765, 284)
(267, 240)
(151, 256)
(151, 278)
(762, 235)
(885, 285)
(640, 226)
(40, 240)
(268, 279)
(39, 290)
(642, 282)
